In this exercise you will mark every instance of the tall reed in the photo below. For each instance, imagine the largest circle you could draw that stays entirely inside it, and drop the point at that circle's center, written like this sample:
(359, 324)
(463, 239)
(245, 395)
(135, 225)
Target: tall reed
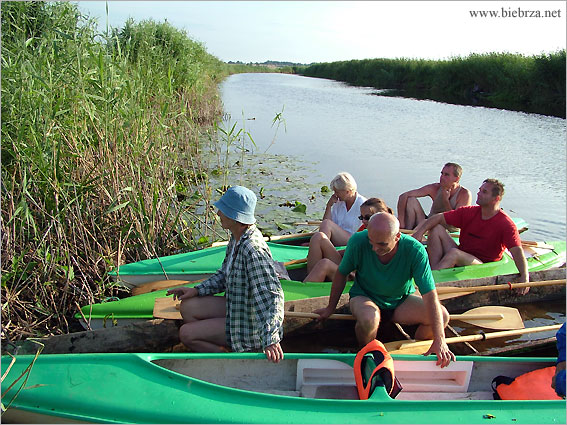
(501, 80)
(101, 142)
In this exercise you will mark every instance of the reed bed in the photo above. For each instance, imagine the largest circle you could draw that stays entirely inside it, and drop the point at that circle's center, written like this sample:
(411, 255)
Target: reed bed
(501, 80)
(102, 143)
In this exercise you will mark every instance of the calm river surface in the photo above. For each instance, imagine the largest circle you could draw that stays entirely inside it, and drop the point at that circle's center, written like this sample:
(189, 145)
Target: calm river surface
(391, 145)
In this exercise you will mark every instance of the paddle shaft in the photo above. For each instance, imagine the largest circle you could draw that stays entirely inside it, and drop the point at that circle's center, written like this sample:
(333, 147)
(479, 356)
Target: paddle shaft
(481, 316)
(469, 338)
(271, 238)
(452, 289)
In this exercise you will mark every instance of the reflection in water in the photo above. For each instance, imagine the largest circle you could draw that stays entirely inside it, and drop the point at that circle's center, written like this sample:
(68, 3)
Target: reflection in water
(391, 145)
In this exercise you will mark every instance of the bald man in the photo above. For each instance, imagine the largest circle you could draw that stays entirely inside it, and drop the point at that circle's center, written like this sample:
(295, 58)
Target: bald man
(385, 262)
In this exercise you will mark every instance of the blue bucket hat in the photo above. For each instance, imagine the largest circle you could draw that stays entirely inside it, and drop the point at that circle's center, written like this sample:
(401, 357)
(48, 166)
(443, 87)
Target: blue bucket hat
(238, 203)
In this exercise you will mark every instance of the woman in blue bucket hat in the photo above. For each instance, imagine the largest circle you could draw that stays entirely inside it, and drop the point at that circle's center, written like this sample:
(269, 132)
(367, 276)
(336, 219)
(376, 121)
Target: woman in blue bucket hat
(249, 317)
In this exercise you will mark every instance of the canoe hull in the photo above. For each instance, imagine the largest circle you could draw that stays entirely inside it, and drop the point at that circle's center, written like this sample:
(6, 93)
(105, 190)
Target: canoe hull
(202, 263)
(299, 294)
(246, 388)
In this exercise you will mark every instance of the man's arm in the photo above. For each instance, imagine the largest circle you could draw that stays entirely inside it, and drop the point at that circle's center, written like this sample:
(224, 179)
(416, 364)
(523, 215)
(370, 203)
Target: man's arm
(337, 287)
(439, 346)
(426, 190)
(522, 266)
(430, 223)
(464, 199)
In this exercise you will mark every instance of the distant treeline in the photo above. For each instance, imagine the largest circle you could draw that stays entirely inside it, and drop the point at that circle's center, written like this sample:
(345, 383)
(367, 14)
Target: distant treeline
(501, 80)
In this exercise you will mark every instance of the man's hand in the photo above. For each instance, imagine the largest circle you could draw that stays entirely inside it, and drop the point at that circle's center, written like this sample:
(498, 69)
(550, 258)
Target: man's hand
(182, 293)
(418, 235)
(444, 355)
(522, 279)
(274, 353)
(324, 313)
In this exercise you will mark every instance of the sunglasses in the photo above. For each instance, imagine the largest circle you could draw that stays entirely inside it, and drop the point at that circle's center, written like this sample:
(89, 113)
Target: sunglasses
(365, 217)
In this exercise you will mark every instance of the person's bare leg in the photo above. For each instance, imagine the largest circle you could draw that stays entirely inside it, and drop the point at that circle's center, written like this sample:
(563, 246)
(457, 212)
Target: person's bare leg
(337, 235)
(414, 312)
(204, 336)
(367, 319)
(205, 324)
(321, 247)
(439, 242)
(456, 257)
(323, 270)
(200, 308)
(414, 213)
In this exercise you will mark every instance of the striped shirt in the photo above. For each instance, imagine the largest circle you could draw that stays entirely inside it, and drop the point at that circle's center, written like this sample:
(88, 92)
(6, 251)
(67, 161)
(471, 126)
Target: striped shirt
(254, 296)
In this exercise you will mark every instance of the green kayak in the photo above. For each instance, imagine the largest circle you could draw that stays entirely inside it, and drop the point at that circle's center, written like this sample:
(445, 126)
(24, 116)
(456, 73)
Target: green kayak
(196, 265)
(140, 307)
(246, 388)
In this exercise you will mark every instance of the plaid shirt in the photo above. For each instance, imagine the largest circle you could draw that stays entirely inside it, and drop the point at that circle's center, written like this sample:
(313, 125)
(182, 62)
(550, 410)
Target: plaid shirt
(254, 296)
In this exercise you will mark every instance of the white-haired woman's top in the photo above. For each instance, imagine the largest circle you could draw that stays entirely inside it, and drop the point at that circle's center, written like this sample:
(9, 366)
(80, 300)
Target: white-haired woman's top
(347, 220)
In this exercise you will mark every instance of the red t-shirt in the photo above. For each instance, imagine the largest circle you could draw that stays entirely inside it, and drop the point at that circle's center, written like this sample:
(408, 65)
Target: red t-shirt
(362, 227)
(485, 239)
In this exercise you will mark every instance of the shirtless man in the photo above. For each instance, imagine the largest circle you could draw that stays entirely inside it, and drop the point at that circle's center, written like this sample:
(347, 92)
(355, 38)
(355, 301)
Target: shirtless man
(447, 195)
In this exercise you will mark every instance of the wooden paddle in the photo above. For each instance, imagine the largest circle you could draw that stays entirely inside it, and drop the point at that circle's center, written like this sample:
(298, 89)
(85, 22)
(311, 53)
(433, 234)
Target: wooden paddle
(420, 347)
(164, 284)
(491, 317)
(158, 285)
(534, 244)
(446, 292)
(308, 223)
(272, 238)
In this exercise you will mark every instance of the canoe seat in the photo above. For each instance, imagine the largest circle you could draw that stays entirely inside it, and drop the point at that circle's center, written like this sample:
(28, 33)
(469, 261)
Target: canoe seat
(475, 395)
(321, 378)
(426, 376)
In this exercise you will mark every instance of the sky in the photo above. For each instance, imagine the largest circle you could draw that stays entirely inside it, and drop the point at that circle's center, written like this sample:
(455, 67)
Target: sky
(327, 31)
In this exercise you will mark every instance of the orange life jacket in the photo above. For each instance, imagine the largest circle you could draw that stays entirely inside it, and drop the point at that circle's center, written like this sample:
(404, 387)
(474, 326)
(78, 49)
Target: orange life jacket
(382, 367)
(534, 385)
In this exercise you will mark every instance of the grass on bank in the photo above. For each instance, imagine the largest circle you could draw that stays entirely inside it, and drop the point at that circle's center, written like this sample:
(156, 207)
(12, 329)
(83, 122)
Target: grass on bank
(501, 80)
(103, 139)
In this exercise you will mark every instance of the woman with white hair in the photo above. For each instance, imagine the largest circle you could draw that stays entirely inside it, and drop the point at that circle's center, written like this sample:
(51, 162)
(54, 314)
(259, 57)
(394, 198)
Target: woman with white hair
(341, 220)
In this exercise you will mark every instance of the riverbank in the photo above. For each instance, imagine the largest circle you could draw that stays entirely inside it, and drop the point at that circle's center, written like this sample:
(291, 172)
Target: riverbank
(101, 156)
(515, 82)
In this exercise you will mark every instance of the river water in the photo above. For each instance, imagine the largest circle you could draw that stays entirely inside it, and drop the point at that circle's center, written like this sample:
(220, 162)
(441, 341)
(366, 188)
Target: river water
(392, 144)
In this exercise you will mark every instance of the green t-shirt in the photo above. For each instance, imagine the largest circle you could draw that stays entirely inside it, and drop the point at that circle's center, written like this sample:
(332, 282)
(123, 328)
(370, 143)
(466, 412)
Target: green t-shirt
(387, 285)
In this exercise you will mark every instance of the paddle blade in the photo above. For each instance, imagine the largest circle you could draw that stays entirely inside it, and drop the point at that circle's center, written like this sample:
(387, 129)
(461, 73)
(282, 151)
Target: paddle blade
(492, 317)
(166, 308)
(158, 285)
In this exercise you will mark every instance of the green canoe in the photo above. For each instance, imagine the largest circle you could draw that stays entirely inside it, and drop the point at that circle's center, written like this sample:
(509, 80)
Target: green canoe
(196, 265)
(246, 388)
(140, 307)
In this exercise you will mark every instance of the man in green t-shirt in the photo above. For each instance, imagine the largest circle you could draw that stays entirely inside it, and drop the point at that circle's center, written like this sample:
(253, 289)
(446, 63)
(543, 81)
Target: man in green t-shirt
(386, 262)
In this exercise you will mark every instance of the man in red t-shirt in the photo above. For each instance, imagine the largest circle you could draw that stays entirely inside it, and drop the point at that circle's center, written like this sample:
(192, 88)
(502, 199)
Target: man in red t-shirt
(486, 231)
